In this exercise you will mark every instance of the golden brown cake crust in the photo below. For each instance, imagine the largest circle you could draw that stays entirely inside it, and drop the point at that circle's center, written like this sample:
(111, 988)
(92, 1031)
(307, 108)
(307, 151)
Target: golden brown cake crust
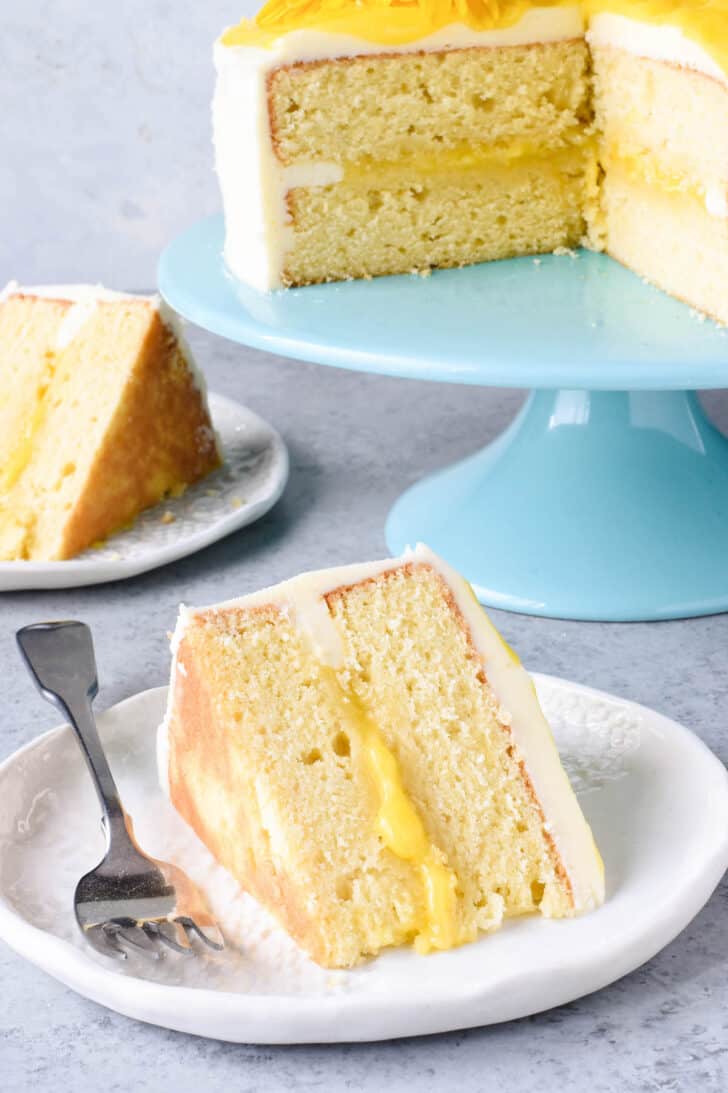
(160, 437)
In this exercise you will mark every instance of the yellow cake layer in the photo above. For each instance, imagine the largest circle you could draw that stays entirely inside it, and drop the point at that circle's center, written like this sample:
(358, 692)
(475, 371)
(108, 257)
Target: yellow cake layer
(668, 238)
(263, 750)
(368, 801)
(389, 107)
(672, 119)
(397, 223)
(439, 716)
(93, 431)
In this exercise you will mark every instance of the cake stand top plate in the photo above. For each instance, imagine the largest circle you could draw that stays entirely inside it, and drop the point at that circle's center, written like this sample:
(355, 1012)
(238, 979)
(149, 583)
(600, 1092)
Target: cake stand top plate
(555, 321)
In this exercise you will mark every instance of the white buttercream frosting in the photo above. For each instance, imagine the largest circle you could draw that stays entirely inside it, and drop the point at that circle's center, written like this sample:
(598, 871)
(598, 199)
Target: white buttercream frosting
(303, 598)
(254, 183)
(658, 42)
(85, 300)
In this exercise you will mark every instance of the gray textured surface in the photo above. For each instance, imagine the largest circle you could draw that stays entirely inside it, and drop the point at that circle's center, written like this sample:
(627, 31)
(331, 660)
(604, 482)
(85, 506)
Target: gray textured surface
(356, 442)
(106, 148)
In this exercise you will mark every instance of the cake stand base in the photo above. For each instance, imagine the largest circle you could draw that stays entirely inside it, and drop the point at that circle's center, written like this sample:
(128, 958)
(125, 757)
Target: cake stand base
(605, 505)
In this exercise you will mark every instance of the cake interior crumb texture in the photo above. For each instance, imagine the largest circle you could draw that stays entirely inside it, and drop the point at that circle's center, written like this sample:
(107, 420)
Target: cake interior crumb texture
(664, 151)
(93, 431)
(376, 803)
(450, 158)
(398, 162)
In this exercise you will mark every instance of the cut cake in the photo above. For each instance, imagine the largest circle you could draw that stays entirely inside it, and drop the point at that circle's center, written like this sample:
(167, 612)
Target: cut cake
(356, 139)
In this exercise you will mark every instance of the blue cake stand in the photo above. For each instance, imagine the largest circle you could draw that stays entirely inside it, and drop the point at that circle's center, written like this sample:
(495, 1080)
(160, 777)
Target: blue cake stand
(606, 498)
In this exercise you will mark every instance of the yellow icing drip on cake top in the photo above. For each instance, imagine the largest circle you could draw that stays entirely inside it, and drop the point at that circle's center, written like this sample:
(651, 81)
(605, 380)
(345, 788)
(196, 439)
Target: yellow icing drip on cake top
(401, 22)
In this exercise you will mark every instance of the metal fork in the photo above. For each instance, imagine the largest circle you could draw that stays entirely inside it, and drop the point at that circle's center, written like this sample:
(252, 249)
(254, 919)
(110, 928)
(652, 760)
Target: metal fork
(129, 899)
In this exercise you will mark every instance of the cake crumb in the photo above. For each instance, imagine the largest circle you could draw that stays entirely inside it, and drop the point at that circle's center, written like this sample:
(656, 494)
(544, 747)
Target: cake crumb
(212, 493)
(236, 502)
(537, 261)
(565, 252)
(167, 518)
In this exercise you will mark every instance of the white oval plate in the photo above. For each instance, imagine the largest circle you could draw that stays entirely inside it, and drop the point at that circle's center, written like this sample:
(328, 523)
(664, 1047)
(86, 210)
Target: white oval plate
(249, 483)
(656, 797)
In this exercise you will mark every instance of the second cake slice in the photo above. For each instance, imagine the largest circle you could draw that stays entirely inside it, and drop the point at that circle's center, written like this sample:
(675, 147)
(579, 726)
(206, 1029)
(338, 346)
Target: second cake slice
(102, 415)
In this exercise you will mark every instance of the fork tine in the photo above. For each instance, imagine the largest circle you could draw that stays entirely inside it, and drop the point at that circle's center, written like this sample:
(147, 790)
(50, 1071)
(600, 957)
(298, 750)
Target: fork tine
(155, 931)
(111, 933)
(191, 927)
(132, 935)
(99, 941)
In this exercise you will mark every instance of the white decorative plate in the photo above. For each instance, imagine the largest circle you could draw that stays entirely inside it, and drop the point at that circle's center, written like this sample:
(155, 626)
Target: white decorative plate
(249, 483)
(656, 797)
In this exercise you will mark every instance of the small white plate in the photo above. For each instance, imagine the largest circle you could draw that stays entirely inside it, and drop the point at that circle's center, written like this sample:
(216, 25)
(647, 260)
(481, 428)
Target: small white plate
(249, 483)
(656, 797)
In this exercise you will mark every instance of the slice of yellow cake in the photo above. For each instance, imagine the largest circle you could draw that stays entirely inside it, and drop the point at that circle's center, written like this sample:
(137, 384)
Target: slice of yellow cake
(366, 756)
(102, 415)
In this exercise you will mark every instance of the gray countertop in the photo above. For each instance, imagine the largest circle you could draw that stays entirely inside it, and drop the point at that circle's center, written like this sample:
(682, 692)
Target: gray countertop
(356, 442)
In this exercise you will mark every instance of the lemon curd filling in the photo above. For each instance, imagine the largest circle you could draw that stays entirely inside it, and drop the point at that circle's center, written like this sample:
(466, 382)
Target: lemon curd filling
(402, 831)
(22, 451)
(400, 22)
(470, 158)
(641, 167)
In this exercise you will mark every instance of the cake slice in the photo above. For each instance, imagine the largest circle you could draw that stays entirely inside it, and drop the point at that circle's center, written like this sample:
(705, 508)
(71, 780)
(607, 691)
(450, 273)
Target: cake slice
(103, 414)
(367, 757)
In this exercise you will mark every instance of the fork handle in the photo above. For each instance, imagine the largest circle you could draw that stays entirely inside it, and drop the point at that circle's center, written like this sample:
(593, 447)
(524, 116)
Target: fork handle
(61, 661)
(80, 714)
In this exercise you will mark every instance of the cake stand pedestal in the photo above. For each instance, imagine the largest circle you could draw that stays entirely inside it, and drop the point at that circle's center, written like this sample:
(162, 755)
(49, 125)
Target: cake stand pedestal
(607, 497)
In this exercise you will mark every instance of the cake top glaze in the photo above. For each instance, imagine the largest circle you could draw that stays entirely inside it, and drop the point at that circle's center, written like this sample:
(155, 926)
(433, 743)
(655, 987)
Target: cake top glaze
(391, 23)
(385, 22)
